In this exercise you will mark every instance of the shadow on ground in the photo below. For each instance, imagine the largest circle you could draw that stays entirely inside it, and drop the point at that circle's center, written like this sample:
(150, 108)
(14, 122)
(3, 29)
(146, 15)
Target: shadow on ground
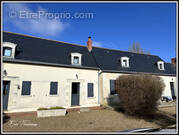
(161, 118)
(6, 118)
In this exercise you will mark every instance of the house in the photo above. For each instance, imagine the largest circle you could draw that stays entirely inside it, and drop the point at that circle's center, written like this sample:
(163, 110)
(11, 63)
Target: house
(44, 73)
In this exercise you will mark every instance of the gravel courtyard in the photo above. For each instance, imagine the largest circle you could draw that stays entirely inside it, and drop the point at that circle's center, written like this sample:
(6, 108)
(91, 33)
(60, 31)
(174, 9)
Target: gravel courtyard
(95, 121)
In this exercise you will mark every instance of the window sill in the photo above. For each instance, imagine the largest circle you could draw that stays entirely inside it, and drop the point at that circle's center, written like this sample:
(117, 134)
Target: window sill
(53, 95)
(91, 97)
(26, 95)
(8, 57)
(125, 67)
(76, 64)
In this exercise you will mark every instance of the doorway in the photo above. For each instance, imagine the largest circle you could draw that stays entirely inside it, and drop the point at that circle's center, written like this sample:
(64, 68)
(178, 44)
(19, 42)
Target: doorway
(172, 90)
(6, 87)
(75, 88)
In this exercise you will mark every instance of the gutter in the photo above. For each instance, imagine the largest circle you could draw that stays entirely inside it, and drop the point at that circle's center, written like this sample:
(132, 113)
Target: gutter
(129, 72)
(47, 64)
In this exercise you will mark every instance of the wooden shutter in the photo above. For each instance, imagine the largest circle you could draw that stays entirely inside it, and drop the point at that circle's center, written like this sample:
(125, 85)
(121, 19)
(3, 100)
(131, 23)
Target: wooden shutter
(90, 90)
(26, 87)
(112, 87)
(53, 88)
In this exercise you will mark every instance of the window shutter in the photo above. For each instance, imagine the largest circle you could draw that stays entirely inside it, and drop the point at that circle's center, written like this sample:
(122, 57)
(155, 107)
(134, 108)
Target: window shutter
(90, 90)
(26, 86)
(53, 88)
(112, 87)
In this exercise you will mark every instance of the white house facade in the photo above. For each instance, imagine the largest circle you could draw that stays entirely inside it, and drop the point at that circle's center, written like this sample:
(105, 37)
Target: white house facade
(44, 73)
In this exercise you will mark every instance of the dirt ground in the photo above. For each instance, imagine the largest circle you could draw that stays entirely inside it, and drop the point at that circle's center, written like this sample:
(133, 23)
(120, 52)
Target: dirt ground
(95, 121)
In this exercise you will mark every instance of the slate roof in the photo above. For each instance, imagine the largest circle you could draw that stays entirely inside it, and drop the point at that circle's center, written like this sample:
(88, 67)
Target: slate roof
(38, 50)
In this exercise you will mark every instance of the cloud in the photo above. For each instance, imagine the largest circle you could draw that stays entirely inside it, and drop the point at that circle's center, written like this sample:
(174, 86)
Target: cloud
(41, 25)
(98, 44)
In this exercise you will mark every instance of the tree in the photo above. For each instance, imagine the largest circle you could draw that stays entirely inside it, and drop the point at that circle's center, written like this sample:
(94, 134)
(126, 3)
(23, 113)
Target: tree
(135, 47)
(139, 94)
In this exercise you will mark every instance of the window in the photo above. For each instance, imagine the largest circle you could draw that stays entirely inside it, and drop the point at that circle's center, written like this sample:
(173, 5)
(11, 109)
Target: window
(53, 88)
(76, 60)
(112, 87)
(124, 61)
(26, 87)
(7, 51)
(90, 90)
(160, 65)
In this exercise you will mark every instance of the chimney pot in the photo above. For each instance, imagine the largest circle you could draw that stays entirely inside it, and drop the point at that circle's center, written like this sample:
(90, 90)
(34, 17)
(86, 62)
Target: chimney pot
(89, 44)
(173, 60)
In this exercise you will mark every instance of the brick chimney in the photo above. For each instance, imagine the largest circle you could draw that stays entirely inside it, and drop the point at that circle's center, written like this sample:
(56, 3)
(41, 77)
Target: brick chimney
(173, 61)
(89, 44)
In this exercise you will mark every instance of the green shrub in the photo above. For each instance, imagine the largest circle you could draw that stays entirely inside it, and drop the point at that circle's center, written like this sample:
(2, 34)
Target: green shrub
(57, 107)
(139, 94)
(51, 108)
(42, 108)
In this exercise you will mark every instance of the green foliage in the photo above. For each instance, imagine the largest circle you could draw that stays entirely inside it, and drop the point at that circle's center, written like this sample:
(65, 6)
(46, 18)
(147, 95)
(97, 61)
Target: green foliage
(139, 94)
(42, 108)
(57, 107)
(51, 108)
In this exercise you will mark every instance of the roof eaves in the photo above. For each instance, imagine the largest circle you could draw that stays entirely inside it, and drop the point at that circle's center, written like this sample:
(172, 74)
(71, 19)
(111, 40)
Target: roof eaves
(131, 72)
(47, 64)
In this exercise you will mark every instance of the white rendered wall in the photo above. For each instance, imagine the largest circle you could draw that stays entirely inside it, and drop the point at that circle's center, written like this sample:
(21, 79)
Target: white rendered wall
(40, 77)
(106, 77)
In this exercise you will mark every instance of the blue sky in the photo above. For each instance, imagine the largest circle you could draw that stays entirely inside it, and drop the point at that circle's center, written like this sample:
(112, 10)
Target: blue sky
(111, 25)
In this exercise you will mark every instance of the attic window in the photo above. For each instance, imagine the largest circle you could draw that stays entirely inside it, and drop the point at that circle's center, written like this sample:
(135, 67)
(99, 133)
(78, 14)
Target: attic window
(9, 49)
(76, 58)
(124, 61)
(160, 65)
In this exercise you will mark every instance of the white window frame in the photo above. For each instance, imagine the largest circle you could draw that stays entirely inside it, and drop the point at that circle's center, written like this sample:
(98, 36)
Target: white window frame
(160, 63)
(123, 64)
(13, 48)
(73, 55)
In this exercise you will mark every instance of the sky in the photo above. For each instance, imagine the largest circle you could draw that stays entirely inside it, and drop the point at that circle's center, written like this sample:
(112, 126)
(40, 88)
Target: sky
(110, 25)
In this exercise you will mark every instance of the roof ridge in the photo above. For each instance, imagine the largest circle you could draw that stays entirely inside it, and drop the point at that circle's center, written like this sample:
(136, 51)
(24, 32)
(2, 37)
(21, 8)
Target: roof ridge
(76, 44)
(125, 51)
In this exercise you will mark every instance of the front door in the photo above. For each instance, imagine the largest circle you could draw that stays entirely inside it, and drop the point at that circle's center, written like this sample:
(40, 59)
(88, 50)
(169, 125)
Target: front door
(172, 90)
(6, 87)
(75, 93)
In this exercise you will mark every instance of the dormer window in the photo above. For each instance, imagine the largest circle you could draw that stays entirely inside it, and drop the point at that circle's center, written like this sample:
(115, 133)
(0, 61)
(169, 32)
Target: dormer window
(76, 58)
(9, 49)
(160, 65)
(124, 61)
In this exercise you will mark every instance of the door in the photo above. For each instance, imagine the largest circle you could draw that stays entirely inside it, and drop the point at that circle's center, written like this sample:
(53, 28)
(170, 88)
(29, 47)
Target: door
(172, 90)
(6, 87)
(75, 94)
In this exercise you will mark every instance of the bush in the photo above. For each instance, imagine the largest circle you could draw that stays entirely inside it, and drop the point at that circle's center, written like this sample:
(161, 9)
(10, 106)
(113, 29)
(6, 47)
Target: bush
(51, 108)
(57, 107)
(42, 108)
(139, 94)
